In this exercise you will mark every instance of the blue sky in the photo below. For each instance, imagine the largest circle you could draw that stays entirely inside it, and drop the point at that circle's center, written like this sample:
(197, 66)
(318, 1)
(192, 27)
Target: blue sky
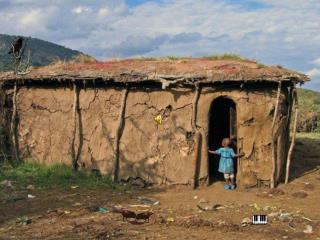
(285, 32)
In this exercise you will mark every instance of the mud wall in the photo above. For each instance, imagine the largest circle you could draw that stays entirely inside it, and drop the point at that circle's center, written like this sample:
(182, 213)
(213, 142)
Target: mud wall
(160, 153)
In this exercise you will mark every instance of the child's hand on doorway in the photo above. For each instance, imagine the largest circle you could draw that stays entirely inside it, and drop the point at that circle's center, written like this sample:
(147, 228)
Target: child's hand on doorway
(241, 154)
(213, 152)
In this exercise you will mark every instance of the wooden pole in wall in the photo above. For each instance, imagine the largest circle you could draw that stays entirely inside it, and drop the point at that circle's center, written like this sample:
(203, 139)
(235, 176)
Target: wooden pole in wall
(198, 136)
(13, 125)
(294, 130)
(195, 108)
(116, 163)
(272, 183)
(74, 116)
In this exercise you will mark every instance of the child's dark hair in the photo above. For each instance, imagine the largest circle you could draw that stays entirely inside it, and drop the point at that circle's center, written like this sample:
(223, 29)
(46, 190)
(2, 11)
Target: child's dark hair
(225, 142)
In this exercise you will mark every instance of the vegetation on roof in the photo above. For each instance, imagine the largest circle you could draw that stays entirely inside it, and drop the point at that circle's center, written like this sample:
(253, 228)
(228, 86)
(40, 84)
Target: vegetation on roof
(227, 56)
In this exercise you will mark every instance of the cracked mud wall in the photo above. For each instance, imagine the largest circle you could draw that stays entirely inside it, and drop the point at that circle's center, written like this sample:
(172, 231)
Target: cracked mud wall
(45, 124)
(160, 153)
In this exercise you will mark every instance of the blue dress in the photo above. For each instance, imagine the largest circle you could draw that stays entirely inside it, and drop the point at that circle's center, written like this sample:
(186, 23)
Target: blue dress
(226, 160)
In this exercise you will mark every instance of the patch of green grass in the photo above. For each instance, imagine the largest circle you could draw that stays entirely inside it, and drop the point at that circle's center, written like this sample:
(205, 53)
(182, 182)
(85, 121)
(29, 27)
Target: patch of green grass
(56, 175)
(312, 135)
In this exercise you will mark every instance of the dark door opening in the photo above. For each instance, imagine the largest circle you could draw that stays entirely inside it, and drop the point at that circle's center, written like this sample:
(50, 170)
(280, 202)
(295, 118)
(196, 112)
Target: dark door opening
(222, 124)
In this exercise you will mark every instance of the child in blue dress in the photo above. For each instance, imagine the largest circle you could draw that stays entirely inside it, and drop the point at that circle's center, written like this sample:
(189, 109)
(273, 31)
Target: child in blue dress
(226, 162)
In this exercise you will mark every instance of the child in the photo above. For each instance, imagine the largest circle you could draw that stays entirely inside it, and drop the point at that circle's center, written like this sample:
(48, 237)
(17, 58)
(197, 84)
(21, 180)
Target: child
(226, 162)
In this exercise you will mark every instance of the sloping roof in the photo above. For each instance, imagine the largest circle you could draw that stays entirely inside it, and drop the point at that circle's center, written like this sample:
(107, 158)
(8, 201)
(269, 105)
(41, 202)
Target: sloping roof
(166, 71)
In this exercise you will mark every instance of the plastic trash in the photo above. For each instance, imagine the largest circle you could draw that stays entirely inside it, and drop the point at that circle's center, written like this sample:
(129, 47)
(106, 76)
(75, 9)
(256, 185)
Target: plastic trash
(308, 229)
(31, 196)
(158, 119)
(170, 219)
(103, 210)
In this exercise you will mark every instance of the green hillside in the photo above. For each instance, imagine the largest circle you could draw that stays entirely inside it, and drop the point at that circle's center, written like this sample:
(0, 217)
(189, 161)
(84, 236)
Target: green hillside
(309, 108)
(42, 52)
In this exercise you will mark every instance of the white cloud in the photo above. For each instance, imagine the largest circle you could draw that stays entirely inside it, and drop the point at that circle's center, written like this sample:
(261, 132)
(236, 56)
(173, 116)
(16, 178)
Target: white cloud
(31, 18)
(273, 31)
(315, 72)
(103, 12)
(316, 62)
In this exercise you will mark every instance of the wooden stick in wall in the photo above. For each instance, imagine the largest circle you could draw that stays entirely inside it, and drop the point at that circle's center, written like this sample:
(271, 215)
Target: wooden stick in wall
(74, 117)
(116, 164)
(272, 184)
(294, 131)
(199, 137)
(13, 125)
(195, 108)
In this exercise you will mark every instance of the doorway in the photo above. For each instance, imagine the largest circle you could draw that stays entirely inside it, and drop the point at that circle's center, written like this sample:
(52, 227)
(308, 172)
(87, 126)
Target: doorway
(222, 124)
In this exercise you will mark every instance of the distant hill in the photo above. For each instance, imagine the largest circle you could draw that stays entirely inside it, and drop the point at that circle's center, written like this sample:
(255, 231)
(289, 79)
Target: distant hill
(309, 108)
(43, 52)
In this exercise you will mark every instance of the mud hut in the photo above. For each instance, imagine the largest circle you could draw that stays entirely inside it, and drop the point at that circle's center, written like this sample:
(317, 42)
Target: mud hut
(154, 119)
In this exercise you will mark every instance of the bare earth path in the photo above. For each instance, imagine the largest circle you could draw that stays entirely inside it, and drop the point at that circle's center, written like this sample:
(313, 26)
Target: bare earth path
(64, 214)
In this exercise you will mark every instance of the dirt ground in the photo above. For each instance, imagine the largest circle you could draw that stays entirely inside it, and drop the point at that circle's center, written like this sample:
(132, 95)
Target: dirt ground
(293, 209)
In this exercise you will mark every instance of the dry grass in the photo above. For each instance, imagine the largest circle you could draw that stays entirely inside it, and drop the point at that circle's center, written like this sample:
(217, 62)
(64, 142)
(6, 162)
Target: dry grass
(227, 56)
(81, 58)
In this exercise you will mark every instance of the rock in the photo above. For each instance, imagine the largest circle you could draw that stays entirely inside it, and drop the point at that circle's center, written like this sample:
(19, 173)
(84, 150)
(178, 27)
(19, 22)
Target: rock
(285, 217)
(24, 220)
(30, 187)
(300, 194)
(308, 229)
(204, 208)
(256, 206)
(202, 200)
(93, 208)
(308, 186)
(276, 192)
(273, 214)
(149, 201)
(245, 222)
(217, 206)
(266, 208)
(195, 197)
(6, 183)
(135, 181)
